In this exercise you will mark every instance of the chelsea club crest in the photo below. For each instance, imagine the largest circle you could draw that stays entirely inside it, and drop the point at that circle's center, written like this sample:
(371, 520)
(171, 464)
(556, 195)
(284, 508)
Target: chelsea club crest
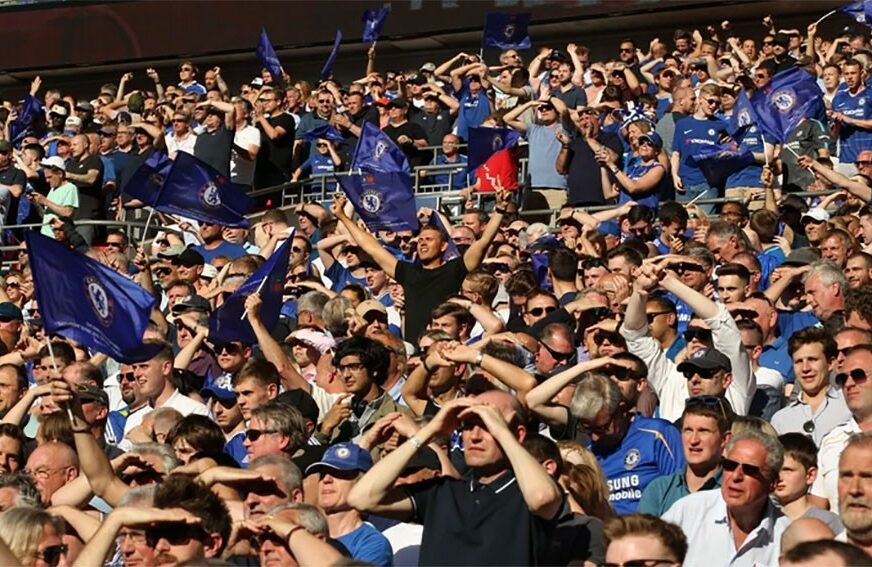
(496, 143)
(379, 150)
(632, 458)
(99, 300)
(210, 195)
(784, 99)
(509, 31)
(372, 201)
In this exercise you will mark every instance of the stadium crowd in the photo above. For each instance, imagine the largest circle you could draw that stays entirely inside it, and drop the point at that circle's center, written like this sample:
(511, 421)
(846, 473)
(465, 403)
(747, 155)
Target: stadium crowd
(654, 381)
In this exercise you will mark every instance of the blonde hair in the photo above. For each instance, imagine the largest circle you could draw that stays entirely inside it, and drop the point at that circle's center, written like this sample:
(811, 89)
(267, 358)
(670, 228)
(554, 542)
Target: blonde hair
(588, 487)
(23, 528)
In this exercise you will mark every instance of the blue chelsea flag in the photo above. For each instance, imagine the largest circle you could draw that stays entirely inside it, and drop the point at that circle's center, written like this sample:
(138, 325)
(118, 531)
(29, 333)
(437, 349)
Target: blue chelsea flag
(327, 70)
(720, 161)
(268, 57)
(385, 201)
(227, 323)
(793, 95)
(373, 21)
(375, 152)
(485, 142)
(861, 11)
(506, 31)
(87, 302)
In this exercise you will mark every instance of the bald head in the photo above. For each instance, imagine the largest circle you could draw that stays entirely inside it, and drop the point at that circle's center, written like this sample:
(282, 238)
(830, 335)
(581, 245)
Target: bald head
(802, 530)
(508, 405)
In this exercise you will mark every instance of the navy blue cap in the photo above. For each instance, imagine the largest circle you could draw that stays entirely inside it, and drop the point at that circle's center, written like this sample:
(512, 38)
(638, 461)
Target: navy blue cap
(343, 457)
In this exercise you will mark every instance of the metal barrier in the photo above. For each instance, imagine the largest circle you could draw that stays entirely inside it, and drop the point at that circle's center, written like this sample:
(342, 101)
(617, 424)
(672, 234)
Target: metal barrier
(127, 226)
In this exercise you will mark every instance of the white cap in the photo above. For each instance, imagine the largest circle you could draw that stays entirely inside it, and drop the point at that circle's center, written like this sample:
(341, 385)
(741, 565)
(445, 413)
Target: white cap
(256, 82)
(73, 121)
(209, 272)
(817, 214)
(54, 162)
(59, 109)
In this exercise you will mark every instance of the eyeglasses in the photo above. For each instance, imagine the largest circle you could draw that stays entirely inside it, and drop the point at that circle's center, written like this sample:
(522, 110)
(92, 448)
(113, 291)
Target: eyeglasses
(229, 348)
(42, 473)
(325, 101)
(351, 366)
(254, 434)
(641, 563)
(406, 238)
(114, 244)
(127, 377)
(179, 120)
(858, 375)
(750, 470)
(173, 533)
(652, 316)
(556, 354)
(699, 334)
(863, 163)
(52, 554)
(539, 311)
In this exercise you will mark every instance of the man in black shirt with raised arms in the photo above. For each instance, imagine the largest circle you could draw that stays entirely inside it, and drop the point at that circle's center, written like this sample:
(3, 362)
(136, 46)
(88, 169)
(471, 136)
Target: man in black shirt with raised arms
(428, 283)
(86, 173)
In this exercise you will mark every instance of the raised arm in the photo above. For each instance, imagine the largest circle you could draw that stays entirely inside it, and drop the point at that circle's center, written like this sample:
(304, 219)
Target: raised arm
(370, 245)
(856, 188)
(512, 376)
(539, 398)
(475, 253)
(512, 118)
(271, 349)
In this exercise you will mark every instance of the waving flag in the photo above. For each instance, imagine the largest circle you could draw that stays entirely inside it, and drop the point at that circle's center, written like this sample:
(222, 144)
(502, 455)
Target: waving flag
(85, 301)
(375, 152)
(325, 131)
(30, 111)
(327, 70)
(485, 142)
(861, 11)
(743, 116)
(794, 95)
(268, 57)
(191, 188)
(506, 31)
(384, 200)
(451, 252)
(718, 162)
(227, 323)
(373, 21)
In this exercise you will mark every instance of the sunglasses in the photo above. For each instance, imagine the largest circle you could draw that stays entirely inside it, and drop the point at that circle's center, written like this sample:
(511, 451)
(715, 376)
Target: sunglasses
(115, 245)
(612, 338)
(229, 348)
(707, 401)
(768, 43)
(163, 271)
(254, 434)
(173, 533)
(52, 554)
(539, 311)
(546, 109)
(620, 373)
(405, 238)
(125, 377)
(652, 316)
(13, 285)
(858, 375)
(626, 50)
(744, 314)
(375, 316)
(750, 470)
(296, 249)
(704, 373)
(496, 267)
(696, 333)
(863, 163)
(321, 145)
(640, 563)
(556, 354)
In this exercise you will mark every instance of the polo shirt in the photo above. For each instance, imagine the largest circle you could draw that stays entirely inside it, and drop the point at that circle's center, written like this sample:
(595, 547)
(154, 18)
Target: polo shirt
(826, 485)
(667, 490)
(470, 523)
(703, 519)
(776, 357)
(832, 412)
(365, 543)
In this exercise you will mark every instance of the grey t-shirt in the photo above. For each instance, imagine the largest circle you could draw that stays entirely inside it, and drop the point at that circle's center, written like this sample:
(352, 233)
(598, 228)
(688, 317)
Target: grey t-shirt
(544, 148)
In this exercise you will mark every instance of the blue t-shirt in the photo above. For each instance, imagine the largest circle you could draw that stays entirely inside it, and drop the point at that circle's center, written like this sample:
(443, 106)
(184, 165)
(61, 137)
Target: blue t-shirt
(636, 170)
(748, 176)
(663, 105)
(473, 110)
(229, 249)
(776, 357)
(319, 164)
(651, 449)
(458, 179)
(368, 544)
(853, 140)
(544, 147)
(693, 135)
(237, 450)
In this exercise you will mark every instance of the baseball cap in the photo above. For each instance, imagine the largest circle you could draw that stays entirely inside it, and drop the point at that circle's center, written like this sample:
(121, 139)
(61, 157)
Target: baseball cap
(192, 303)
(220, 387)
(371, 305)
(302, 401)
(209, 272)
(816, 214)
(706, 359)
(343, 457)
(59, 109)
(85, 106)
(171, 252)
(107, 130)
(802, 257)
(418, 80)
(398, 103)
(782, 39)
(428, 66)
(9, 310)
(189, 258)
(315, 339)
(609, 228)
(53, 162)
(652, 137)
(73, 121)
(256, 82)
(89, 393)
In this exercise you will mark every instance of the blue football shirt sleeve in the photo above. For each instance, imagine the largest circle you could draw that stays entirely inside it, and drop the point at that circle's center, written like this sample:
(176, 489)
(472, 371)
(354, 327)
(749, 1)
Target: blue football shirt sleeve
(669, 452)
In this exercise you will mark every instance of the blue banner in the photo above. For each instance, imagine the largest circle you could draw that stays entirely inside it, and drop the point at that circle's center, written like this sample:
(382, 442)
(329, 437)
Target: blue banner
(385, 201)
(793, 95)
(373, 21)
(227, 322)
(375, 152)
(485, 142)
(451, 252)
(743, 116)
(147, 181)
(506, 31)
(268, 57)
(193, 189)
(861, 11)
(325, 131)
(720, 161)
(83, 300)
(327, 70)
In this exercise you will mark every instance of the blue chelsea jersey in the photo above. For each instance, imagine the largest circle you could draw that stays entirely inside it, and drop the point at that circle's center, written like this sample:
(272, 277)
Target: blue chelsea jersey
(651, 449)
(853, 140)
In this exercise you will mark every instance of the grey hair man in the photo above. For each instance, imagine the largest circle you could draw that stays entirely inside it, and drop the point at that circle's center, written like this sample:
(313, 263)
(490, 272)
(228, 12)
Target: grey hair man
(825, 287)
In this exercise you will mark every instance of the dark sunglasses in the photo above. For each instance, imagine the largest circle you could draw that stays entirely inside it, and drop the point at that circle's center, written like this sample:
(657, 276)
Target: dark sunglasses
(126, 377)
(556, 354)
(862, 162)
(163, 271)
(750, 470)
(321, 145)
(115, 244)
(374, 316)
(768, 43)
(652, 316)
(228, 403)
(704, 373)
(254, 434)
(406, 238)
(13, 285)
(593, 263)
(495, 267)
(603, 336)
(52, 554)
(539, 311)
(229, 348)
(626, 50)
(744, 314)
(858, 375)
(173, 533)
(620, 373)
(702, 335)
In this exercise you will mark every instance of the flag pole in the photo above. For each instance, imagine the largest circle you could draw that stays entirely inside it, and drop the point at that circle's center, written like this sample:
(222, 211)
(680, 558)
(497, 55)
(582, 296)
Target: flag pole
(147, 222)
(54, 365)
(695, 199)
(825, 16)
(260, 287)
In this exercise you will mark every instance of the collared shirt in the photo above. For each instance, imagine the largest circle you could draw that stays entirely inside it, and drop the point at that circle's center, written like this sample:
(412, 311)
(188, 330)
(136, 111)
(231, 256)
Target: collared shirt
(776, 357)
(797, 413)
(703, 519)
(827, 482)
(178, 401)
(667, 490)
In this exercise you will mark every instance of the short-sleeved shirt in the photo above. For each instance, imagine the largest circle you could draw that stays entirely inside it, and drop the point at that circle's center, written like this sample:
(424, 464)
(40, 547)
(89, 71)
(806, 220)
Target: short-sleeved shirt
(573, 98)
(797, 416)
(651, 448)
(585, 183)
(275, 156)
(429, 288)
(853, 140)
(213, 148)
(807, 139)
(66, 195)
(441, 177)
(635, 171)
(665, 491)
(414, 131)
(469, 523)
(693, 135)
(365, 543)
(826, 484)
(473, 110)
(90, 194)
(435, 124)
(544, 147)
(242, 170)
(8, 177)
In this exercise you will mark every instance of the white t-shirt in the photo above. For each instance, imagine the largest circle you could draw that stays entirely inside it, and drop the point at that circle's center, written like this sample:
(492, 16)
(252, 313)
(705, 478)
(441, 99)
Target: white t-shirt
(242, 170)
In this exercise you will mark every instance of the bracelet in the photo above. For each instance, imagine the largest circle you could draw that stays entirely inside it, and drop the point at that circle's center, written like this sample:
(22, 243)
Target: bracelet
(500, 211)
(479, 358)
(416, 442)
(565, 146)
(426, 368)
(615, 170)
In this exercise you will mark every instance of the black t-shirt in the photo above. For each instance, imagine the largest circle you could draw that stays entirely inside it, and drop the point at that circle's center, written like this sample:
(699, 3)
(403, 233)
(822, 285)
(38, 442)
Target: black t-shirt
(435, 124)
(469, 523)
(414, 131)
(308, 455)
(275, 156)
(583, 177)
(90, 194)
(214, 149)
(425, 290)
(11, 176)
(573, 98)
(576, 539)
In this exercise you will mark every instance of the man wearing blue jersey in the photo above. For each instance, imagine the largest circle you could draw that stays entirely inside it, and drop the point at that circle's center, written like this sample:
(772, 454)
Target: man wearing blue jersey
(632, 450)
(852, 114)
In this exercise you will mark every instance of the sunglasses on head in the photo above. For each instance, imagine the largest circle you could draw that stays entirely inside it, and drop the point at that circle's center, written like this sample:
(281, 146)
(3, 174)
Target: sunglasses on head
(750, 470)
(858, 375)
(707, 401)
(701, 335)
(539, 311)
